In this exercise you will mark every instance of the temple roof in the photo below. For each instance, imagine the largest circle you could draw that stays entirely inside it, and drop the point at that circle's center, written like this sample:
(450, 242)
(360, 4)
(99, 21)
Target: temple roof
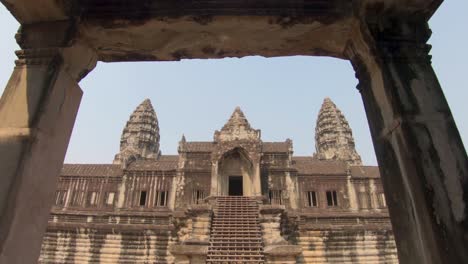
(198, 146)
(312, 166)
(365, 171)
(164, 163)
(111, 170)
(275, 146)
(305, 165)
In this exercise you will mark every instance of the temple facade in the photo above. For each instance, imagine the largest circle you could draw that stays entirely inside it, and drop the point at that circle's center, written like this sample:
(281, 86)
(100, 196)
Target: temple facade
(236, 199)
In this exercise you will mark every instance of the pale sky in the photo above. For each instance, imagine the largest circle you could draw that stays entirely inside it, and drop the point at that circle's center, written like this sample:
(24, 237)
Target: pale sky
(280, 96)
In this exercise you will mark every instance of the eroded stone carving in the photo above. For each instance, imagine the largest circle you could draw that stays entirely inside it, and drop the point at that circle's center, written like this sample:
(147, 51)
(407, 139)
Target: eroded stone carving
(333, 136)
(237, 128)
(140, 137)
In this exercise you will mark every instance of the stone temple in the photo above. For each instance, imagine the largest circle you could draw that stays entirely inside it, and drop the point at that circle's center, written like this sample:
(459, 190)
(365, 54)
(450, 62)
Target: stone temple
(236, 199)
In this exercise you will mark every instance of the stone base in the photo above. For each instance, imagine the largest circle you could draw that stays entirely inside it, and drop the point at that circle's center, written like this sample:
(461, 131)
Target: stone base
(284, 254)
(189, 254)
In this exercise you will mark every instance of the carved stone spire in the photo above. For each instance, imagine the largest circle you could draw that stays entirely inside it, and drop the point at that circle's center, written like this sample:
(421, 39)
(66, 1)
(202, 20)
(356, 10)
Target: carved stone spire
(237, 128)
(140, 136)
(333, 136)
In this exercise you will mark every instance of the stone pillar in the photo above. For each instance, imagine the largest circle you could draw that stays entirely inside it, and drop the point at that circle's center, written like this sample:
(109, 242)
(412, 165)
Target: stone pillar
(256, 182)
(423, 163)
(214, 189)
(37, 113)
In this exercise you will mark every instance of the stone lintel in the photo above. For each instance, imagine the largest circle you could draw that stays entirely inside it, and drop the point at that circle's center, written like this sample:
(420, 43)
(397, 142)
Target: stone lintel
(195, 242)
(272, 209)
(200, 208)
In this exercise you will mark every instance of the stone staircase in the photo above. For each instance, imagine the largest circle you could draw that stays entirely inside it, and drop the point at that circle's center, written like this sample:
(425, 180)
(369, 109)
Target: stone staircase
(236, 235)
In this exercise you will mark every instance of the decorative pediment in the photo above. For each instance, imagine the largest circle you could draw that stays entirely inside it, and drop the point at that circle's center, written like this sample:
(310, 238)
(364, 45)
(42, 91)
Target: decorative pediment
(237, 128)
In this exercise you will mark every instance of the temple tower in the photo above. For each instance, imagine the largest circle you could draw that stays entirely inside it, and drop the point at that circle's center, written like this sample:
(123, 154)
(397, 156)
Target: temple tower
(236, 158)
(333, 136)
(140, 136)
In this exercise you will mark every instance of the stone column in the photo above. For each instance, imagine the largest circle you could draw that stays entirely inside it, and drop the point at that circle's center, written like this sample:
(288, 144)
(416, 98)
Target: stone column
(37, 113)
(423, 163)
(214, 189)
(256, 183)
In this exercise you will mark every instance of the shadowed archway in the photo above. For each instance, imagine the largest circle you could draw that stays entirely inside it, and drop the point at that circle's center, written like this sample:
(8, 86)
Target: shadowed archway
(235, 170)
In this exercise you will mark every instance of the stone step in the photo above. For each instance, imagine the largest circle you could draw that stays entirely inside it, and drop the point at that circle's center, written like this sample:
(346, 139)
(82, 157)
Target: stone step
(236, 235)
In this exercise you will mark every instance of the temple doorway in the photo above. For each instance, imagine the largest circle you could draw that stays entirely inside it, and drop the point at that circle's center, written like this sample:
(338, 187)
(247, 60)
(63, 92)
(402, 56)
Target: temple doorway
(235, 186)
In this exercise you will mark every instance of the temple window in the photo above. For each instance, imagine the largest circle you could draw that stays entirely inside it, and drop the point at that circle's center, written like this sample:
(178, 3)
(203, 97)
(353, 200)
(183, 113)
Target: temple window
(364, 200)
(198, 196)
(91, 199)
(110, 196)
(332, 198)
(381, 200)
(312, 199)
(276, 197)
(77, 198)
(142, 198)
(161, 198)
(60, 197)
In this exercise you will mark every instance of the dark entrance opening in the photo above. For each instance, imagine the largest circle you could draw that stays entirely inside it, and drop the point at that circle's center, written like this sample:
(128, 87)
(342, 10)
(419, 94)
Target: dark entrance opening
(235, 186)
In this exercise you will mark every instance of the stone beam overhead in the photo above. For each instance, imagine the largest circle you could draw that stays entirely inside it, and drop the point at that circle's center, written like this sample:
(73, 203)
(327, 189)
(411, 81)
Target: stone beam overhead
(173, 39)
(163, 30)
(33, 11)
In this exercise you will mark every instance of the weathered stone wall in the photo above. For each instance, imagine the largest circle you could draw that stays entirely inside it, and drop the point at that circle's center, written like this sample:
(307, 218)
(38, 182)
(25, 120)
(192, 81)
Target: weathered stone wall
(348, 245)
(320, 185)
(89, 245)
(364, 238)
(100, 219)
(194, 178)
(153, 183)
(195, 187)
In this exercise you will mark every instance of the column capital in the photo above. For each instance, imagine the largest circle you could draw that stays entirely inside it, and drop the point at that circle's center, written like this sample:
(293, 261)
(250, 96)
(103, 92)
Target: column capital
(77, 60)
(40, 56)
(380, 39)
(55, 44)
(400, 38)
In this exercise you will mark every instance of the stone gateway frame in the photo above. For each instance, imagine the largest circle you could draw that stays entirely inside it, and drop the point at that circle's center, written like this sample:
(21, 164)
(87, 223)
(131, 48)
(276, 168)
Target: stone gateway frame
(422, 160)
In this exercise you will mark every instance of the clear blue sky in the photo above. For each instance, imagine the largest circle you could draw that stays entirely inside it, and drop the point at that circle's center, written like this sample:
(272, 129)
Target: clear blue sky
(280, 96)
